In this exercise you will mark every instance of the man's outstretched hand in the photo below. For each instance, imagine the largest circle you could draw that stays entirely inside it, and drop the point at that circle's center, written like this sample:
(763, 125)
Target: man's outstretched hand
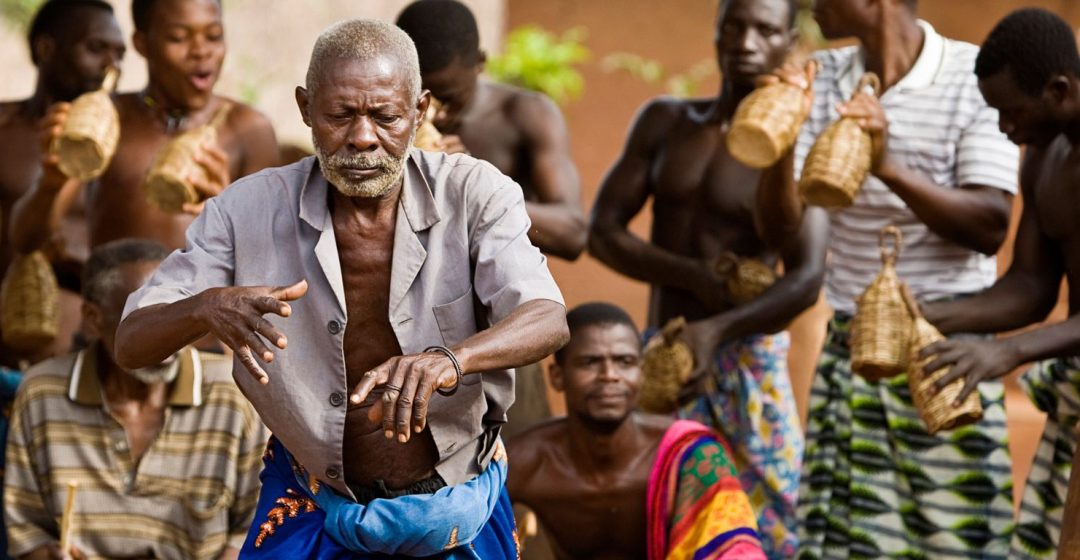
(235, 316)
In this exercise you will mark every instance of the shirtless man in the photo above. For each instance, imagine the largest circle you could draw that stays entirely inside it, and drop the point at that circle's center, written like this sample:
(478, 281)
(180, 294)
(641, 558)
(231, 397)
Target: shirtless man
(1029, 70)
(72, 42)
(183, 42)
(704, 206)
(411, 286)
(587, 475)
(520, 132)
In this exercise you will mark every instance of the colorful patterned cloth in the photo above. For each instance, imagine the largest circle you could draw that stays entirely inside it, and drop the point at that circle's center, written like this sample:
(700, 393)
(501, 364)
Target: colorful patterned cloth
(876, 484)
(1054, 386)
(697, 508)
(751, 404)
(297, 519)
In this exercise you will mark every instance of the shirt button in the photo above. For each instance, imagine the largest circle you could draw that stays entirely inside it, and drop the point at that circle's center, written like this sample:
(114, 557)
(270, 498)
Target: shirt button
(332, 473)
(336, 398)
(333, 326)
(121, 445)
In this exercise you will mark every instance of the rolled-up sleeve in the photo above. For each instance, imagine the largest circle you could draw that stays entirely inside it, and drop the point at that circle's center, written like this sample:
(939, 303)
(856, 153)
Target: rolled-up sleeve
(207, 262)
(509, 269)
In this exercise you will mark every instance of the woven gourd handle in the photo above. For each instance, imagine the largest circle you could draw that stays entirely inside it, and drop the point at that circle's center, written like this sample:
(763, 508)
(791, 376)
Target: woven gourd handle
(909, 300)
(890, 254)
(672, 330)
(870, 84)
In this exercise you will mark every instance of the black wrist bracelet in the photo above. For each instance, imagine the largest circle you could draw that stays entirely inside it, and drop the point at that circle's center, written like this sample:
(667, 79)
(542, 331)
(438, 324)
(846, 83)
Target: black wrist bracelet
(457, 368)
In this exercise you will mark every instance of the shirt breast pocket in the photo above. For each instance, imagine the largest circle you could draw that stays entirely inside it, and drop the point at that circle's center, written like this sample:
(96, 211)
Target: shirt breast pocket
(457, 321)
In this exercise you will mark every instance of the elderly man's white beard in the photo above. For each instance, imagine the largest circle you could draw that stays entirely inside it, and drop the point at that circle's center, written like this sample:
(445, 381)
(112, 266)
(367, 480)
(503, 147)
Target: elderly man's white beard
(392, 169)
(165, 372)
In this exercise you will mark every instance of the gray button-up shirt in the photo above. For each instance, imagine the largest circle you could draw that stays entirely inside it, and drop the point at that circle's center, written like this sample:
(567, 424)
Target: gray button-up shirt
(462, 261)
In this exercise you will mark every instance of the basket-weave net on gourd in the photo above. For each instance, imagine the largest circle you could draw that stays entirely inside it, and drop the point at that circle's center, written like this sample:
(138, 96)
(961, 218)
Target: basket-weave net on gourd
(169, 185)
(881, 328)
(88, 138)
(29, 303)
(667, 362)
(839, 159)
(936, 410)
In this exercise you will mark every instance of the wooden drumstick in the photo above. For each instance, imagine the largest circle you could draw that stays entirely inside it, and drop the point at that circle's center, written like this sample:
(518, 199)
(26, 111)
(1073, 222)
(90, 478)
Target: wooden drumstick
(65, 519)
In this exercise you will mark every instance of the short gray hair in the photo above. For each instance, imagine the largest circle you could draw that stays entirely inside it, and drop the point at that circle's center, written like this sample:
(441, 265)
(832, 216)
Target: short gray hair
(365, 39)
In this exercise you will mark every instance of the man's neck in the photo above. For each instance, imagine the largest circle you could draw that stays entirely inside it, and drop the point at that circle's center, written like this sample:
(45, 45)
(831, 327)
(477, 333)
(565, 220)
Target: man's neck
(122, 389)
(892, 49)
(597, 452)
(372, 209)
(37, 104)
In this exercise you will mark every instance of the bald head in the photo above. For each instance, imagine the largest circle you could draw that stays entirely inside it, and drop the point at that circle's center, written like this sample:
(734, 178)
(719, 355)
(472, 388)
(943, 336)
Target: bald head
(363, 40)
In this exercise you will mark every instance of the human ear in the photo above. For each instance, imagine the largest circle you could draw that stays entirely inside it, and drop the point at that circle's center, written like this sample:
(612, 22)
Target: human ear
(138, 40)
(481, 62)
(422, 106)
(303, 102)
(44, 48)
(93, 320)
(1057, 89)
(555, 375)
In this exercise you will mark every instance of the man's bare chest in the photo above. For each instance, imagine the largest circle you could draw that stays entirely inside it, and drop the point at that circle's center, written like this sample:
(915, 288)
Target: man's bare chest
(20, 161)
(590, 522)
(693, 171)
(1057, 202)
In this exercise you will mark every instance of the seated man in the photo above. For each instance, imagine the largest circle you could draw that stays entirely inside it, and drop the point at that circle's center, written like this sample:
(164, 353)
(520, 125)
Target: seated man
(610, 482)
(166, 456)
(1029, 70)
(413, 288)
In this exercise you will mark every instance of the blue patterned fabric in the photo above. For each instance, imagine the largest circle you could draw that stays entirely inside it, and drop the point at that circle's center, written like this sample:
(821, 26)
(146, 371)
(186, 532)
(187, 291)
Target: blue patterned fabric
(296, 518)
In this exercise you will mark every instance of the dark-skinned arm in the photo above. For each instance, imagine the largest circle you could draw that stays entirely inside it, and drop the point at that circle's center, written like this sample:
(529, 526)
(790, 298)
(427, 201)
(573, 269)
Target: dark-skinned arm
(1025, 294)
(623, 193)
(973, 216)
(558, 221)
(35, 216)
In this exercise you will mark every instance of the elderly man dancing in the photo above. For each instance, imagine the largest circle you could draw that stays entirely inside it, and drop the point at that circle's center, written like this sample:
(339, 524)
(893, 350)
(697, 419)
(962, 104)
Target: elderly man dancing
(408, 288)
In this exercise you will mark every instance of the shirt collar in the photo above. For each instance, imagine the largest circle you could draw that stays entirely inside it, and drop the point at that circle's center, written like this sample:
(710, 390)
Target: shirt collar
(921, 75)
(85, 385)
(417, 200)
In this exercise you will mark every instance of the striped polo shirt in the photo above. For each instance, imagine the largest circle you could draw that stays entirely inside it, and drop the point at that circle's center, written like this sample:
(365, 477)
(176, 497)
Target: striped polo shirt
(940, 127)
(193, 492)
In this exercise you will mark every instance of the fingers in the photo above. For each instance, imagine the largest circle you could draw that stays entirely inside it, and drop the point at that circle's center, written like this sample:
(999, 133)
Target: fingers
(290, 293)
(407, 399)
(266, 329)
(215, 162)
(369, 381)
(933, 349)
(193, 208)
(391, 393)
(244, 354)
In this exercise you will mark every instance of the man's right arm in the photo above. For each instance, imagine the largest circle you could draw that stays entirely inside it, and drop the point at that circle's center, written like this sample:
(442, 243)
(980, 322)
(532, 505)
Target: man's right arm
(623, 193)
(1025, 294)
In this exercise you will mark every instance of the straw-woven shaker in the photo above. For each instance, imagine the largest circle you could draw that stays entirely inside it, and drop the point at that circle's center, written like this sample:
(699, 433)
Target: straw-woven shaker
(936, 410)
(745, 278)
(667, 363)
(840, 159)
(29, 303)
(766, 124)
(881, 330)
(87, 140)
(168, 185)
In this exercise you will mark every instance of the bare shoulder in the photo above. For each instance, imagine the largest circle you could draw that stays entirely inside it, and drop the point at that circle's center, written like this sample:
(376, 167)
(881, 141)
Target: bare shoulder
(536, 441)
(9, 111)
(244, 118)
(654, 425)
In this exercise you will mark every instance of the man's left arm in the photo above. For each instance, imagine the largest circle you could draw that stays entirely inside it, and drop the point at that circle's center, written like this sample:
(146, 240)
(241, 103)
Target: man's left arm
(559, 226)
(976, 215)
(511, 279)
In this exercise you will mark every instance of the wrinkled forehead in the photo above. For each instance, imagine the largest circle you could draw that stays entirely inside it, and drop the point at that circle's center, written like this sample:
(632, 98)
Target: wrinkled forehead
(381, 76)
(603, 339)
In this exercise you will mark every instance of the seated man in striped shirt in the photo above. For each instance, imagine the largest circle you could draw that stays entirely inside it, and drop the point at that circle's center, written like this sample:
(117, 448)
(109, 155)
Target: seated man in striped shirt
(875, 483)
(167, 458)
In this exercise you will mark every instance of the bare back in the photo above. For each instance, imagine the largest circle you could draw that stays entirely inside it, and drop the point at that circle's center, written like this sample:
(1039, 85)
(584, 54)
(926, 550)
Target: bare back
(1057, 205)
(703, 201)
(588, 515)
(117, 207)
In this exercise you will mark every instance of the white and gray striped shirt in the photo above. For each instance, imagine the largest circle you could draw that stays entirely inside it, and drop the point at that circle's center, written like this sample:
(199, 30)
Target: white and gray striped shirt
(940, 126)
